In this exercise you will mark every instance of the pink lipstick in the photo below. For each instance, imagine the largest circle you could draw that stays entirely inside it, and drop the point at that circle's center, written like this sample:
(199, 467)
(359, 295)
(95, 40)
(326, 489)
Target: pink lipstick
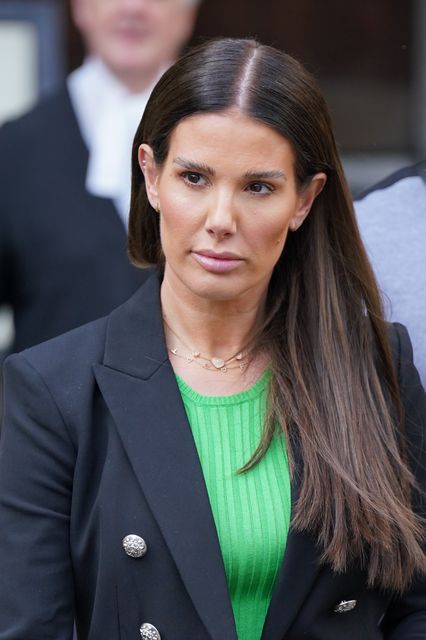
(217, 262)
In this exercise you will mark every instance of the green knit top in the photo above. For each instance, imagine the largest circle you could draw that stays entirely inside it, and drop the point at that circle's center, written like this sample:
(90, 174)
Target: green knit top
(251, 510)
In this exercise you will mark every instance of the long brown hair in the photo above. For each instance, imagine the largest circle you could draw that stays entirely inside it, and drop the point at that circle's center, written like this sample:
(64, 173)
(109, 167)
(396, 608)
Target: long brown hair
(334, 391)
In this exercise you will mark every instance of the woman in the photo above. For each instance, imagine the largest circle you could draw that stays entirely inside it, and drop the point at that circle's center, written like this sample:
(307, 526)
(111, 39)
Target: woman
(151, 461)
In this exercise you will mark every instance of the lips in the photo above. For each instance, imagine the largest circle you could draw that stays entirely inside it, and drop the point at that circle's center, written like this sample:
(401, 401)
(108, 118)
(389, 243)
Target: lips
(222, 262)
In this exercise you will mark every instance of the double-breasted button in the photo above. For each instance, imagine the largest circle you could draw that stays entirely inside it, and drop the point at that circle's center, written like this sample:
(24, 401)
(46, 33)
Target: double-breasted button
(344, 606)
(149, 632)
(134, 546)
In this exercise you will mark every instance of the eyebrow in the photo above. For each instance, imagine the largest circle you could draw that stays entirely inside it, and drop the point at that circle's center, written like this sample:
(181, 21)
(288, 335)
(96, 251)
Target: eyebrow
(199, 167)
(264, 175)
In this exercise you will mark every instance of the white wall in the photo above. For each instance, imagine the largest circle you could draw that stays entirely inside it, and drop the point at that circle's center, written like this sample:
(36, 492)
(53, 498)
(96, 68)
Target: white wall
(18, 82)
(18, 67)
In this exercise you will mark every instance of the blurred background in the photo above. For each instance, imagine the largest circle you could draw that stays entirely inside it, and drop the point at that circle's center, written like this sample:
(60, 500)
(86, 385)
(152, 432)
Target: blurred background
(369, 58)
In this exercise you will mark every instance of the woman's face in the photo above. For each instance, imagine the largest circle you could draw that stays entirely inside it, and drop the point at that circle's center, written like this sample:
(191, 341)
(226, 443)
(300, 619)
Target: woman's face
(227, 197)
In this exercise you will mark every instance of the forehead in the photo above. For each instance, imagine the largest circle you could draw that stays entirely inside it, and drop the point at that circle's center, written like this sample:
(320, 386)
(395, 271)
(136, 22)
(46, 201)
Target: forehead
(230, 138)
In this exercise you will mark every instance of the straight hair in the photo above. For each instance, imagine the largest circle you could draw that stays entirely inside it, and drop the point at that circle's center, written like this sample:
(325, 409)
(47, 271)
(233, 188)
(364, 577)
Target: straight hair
(334, 391)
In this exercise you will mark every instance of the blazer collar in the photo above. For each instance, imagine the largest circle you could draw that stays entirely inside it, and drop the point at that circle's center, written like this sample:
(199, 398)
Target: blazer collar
(135, 343)
(140, 389)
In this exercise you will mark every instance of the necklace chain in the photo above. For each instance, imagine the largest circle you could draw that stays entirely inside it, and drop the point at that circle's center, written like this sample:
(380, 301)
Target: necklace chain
(214, 363)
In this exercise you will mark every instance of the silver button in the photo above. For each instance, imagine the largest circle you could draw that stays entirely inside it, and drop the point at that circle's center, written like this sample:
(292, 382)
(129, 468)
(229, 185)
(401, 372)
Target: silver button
(344, 606)
(149, 632)
(134, 546)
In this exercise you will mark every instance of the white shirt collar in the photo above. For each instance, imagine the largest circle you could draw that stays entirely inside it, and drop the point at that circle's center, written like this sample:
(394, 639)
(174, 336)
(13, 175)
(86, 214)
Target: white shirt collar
(108, 115)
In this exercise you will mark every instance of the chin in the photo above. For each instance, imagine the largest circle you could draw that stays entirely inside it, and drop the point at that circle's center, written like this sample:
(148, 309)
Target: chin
(127, 60)
(218, 291)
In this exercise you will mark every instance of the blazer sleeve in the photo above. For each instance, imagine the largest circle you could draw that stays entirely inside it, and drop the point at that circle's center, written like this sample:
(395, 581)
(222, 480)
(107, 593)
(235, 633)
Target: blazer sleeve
(36, 470)
(406, 616)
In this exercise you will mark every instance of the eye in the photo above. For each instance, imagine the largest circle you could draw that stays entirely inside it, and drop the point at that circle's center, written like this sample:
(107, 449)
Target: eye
(260, 187)
(193, 178)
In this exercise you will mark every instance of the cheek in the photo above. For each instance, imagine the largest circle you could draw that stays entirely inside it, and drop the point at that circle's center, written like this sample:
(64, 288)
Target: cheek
(161, 22)
(175, 216)
(178, 210)
(174, 206)
(178, 225)
(270, 236)
(108, 21)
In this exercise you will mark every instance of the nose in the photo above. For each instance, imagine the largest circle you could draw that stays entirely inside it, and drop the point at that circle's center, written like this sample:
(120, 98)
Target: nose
(221, 221)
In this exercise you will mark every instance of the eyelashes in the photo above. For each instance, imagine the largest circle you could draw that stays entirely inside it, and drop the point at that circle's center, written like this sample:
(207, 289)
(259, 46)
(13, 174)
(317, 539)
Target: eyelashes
(261, 188)
(196, 180)
(193, 178)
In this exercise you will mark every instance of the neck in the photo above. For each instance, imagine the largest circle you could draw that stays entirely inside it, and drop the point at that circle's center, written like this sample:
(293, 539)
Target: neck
(137, 82)
(215, 328)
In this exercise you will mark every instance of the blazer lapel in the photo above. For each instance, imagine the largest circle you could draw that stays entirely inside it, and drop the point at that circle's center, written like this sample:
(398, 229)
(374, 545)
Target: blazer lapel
(139, 387)
(299, 569)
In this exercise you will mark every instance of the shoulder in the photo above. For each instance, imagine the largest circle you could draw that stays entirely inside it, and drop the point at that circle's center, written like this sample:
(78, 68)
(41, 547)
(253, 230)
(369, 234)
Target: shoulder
(392, 210)
(412, 393)
(55, 108)
(400, 345)
(60, 373)
(407, 374)
(33, 145)
(69, 351)
(65, 363)
(415, 171)
(43, 111)
(413, 399)
(80, 345)
(60, 367)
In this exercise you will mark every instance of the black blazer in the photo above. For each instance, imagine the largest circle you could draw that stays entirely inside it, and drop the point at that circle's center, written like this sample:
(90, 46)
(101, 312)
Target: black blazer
(95, 446)
(62, 251)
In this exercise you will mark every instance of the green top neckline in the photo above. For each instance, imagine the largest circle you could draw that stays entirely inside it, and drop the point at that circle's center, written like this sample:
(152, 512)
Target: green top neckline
(231, 399)
(252, 510)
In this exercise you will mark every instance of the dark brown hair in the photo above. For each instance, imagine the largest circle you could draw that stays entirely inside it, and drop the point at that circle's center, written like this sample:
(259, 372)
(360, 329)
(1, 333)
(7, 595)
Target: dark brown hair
(334, 391)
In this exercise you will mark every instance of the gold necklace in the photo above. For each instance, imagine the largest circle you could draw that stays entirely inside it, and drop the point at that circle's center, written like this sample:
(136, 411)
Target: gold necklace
(215, 363)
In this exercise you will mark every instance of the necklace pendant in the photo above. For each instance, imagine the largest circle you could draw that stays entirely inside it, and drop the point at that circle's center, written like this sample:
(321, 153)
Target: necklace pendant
(218, 363)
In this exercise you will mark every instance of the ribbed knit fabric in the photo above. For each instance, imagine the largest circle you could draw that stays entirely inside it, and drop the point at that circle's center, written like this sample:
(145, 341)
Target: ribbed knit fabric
(251, 510)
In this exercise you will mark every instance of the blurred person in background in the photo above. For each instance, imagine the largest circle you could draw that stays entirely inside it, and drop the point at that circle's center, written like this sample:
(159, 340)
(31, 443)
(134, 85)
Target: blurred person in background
(392, 219)
(65, 170)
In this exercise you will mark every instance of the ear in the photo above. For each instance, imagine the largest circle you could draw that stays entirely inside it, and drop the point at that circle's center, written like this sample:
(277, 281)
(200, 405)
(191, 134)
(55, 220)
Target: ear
(151, 174)
(306, 199)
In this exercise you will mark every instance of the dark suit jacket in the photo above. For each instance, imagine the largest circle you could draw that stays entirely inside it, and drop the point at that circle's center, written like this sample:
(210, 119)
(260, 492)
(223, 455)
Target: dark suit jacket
(62, 251)
(95, 446)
